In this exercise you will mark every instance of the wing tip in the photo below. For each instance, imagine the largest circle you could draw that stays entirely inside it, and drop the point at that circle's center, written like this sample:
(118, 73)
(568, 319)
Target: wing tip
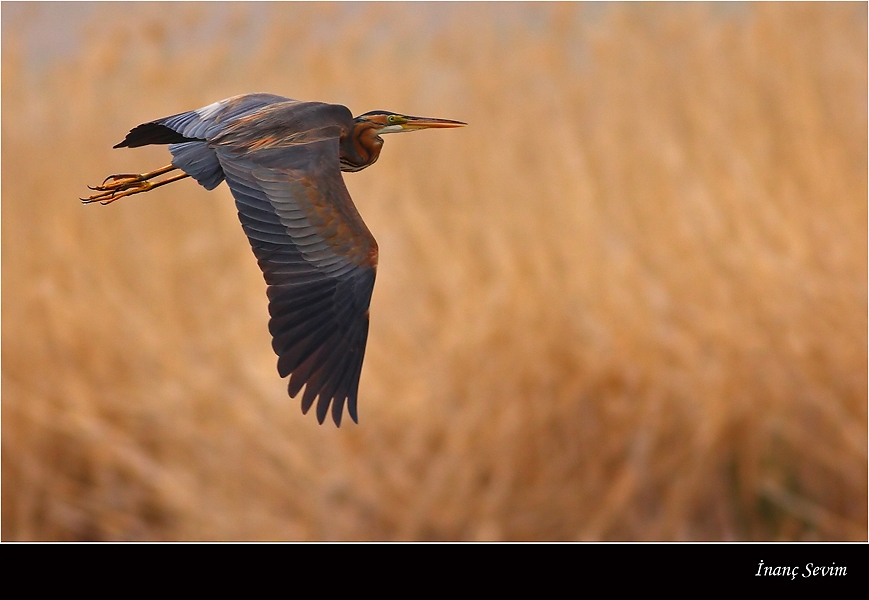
(323, 404)
(152, 133)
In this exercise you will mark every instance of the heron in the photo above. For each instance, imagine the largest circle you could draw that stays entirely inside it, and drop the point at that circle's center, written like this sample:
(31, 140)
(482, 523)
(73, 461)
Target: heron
(282, 160)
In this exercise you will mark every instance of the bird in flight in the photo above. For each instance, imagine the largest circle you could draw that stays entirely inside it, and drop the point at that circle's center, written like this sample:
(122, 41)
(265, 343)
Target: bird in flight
(282, 160)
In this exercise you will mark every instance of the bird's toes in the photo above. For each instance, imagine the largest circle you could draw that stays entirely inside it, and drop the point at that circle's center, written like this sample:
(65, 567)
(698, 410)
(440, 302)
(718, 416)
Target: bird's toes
(120, 179)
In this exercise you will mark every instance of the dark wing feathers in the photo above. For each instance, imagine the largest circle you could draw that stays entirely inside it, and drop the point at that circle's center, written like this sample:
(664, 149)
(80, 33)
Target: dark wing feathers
(151, 133)
(317, 257)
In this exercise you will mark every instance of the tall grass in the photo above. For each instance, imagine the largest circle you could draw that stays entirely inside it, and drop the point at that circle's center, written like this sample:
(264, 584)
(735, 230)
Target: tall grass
(627, 302)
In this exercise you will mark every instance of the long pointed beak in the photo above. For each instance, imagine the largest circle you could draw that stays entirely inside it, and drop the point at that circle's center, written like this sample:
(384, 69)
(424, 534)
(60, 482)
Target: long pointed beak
(414, 123)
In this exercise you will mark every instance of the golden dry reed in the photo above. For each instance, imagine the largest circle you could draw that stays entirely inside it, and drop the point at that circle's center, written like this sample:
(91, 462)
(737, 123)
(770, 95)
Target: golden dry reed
(628, 302)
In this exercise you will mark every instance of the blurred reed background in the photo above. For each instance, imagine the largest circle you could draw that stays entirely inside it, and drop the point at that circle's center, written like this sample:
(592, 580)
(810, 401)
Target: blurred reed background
(628, 302)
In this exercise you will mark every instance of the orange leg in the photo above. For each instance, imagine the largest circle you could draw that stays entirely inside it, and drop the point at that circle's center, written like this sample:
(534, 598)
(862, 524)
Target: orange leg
(127, 184)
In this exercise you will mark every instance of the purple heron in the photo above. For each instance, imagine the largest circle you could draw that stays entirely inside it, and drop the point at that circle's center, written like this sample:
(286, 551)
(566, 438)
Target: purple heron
(282, 160)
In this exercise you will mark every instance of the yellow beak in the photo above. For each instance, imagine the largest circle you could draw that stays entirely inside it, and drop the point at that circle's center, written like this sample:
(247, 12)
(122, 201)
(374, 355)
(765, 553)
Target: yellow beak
(414, 123)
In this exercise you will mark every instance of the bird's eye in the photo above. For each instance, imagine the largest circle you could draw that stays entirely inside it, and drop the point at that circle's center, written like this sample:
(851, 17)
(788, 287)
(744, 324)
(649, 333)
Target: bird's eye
(391, 119)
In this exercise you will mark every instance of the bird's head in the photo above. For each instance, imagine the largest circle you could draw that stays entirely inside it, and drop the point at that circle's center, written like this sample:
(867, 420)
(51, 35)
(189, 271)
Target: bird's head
(382, 121)
(362, 146)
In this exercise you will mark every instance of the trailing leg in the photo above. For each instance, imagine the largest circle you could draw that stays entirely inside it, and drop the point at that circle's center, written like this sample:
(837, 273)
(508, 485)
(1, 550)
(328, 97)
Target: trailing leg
(126, 184)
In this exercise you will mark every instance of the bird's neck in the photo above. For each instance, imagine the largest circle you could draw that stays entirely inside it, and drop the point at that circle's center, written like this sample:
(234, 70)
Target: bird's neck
(360, 147)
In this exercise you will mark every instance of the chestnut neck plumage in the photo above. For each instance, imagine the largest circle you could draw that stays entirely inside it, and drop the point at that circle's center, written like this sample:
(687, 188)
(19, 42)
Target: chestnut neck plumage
(360, 147)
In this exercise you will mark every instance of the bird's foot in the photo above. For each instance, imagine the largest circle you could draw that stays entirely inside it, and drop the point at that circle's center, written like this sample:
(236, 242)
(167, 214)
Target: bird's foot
(118, 186)
(127, 184)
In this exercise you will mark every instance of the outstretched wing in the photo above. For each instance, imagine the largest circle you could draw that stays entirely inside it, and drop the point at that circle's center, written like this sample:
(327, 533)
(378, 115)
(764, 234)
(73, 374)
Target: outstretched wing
(198, 125)
(188, 134)
(317, 256)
